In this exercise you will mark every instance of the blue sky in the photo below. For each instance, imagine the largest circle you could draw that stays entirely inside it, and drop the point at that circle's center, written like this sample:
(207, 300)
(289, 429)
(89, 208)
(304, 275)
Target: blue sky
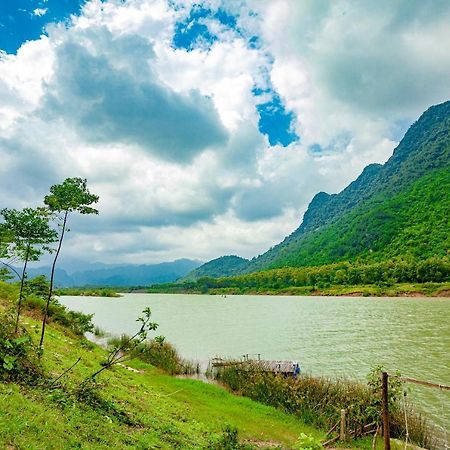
(23, 20)
(207, 127)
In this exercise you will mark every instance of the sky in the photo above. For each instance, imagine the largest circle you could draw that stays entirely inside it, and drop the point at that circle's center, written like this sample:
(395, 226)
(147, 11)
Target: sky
(206, 127)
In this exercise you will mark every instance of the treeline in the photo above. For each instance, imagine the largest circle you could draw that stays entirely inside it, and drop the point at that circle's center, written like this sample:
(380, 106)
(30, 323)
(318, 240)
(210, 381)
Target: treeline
(432, 270)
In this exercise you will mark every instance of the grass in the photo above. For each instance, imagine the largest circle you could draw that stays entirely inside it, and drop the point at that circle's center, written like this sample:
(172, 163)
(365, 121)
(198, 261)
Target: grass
(166, 412)
(134, 406)
(88, 292)
(318, 401)
(365, 290)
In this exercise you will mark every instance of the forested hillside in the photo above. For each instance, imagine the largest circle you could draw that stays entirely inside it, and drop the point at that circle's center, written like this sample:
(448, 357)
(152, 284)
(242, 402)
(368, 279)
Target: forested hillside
(224, 266)
(400, 208)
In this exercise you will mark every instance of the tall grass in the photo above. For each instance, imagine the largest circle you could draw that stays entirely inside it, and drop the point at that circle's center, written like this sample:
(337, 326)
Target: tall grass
(161, 354)
(318, 401)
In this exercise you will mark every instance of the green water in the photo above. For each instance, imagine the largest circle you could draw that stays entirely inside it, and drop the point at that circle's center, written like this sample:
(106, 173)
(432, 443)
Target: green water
(332, 336)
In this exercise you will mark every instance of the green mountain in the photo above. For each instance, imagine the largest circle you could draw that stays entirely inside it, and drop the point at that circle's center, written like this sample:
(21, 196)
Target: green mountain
(399, 209)
(225, 266)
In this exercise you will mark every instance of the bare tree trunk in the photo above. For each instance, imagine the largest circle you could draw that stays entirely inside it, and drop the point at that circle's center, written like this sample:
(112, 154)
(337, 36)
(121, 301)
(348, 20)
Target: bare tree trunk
(22, 282)
(52, 276)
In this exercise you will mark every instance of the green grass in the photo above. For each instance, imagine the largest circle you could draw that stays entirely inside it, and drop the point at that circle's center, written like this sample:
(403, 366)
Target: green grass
(160, 411)
(167, 412)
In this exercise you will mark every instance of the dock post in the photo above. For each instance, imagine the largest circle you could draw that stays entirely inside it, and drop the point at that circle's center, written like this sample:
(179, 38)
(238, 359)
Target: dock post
(342, 433)
(386, 429)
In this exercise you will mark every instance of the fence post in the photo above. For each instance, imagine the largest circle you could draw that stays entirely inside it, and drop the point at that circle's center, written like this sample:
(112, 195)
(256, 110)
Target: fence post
(342, 433)
(386, 430)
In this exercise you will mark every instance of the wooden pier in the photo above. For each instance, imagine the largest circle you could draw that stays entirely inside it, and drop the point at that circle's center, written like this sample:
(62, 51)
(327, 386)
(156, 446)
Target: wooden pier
(287, 368)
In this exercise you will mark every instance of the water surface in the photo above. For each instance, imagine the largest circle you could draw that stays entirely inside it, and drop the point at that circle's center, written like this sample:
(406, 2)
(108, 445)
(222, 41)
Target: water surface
(332, 336)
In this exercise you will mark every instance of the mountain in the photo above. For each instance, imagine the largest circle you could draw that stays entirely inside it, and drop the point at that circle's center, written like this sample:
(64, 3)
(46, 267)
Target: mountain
(224, 266)
(124, 275)
(396, 210)
(399, 209)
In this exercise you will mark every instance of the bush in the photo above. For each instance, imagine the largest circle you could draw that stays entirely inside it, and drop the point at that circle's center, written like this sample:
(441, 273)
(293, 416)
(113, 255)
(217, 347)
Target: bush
(161, 354)
(318, 401)
(228, 440)
(18, 356)
(76, 321)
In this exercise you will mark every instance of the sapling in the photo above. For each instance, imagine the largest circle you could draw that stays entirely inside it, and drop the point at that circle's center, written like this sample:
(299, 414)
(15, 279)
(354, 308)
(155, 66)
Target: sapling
(26, 235)
(124, 349)
(70, 196)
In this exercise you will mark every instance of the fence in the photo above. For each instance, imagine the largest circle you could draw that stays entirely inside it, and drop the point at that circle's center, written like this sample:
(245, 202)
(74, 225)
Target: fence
(385, 384)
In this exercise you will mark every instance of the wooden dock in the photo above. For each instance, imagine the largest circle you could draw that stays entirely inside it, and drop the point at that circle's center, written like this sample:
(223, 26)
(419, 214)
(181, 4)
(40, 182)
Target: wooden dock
(287, 368)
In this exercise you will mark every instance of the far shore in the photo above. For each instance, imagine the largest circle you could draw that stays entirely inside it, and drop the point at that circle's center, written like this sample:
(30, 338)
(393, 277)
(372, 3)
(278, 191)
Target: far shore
(425, 290)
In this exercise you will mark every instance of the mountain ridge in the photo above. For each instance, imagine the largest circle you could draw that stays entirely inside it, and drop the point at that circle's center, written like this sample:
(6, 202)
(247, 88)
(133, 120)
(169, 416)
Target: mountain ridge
(423, 151)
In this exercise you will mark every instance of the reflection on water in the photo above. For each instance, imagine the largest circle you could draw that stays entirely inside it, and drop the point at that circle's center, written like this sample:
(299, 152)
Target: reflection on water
(332, 336)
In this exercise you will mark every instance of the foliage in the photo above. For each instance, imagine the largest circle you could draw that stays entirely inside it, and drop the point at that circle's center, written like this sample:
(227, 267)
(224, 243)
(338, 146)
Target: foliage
(397, 209)
(316, 278)
(70, 196)
(306, 442)
(125, 348)
(224, 266)
(228, 440)
(87, 292)
(18, 360)
(29, 233)
(318, 401)
(164, 355)
(395, 391)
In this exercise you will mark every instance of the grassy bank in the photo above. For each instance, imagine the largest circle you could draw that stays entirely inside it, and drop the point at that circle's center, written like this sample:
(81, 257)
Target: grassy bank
(133, 405)
(366, 290)
(319, 401)
(88, 292)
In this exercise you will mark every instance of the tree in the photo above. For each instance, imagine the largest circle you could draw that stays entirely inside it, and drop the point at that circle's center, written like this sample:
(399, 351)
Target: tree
(68, 197)
(26, 235)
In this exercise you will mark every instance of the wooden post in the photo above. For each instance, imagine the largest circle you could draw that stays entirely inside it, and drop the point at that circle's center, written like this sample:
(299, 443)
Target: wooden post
(342, 433)
(386, 430)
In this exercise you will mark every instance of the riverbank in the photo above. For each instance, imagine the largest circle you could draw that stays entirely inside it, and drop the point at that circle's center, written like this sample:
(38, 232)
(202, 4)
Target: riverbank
(134, 405)
(89, 292)
(366, 290)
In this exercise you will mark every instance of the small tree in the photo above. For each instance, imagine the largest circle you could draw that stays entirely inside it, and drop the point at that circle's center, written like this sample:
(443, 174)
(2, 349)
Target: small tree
(70, 196)
(124, 349)
(26, 236)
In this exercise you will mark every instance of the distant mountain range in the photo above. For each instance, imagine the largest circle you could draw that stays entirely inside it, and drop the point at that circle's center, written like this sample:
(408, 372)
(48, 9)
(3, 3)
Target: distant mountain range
(400, 209)
(119, 275)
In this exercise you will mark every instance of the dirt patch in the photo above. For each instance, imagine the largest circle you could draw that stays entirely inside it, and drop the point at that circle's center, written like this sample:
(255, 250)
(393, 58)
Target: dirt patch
(445, 293)
(412, 294)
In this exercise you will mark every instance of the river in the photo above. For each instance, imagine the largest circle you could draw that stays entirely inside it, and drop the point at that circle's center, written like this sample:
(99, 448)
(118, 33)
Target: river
(330, 336)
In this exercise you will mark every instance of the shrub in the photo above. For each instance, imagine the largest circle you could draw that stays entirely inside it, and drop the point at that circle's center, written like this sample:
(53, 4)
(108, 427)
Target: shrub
(161, 354)
(77, 322)
(318, 401)
(18, 356)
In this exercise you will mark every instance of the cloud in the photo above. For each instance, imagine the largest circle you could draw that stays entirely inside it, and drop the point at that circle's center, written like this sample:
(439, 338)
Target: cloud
(170, 137)
(40, 12)
(105, 87)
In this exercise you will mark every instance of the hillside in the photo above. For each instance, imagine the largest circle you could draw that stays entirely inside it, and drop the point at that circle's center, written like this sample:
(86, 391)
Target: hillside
(399, 209)
(225, 266)
(132, 406)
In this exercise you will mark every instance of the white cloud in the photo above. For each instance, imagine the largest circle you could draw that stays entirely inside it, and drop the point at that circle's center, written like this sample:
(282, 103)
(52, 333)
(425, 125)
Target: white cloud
(40, 12)
(169, 138)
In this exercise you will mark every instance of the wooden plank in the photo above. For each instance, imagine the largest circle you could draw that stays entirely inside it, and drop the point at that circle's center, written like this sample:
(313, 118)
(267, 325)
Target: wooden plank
(421, 382)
